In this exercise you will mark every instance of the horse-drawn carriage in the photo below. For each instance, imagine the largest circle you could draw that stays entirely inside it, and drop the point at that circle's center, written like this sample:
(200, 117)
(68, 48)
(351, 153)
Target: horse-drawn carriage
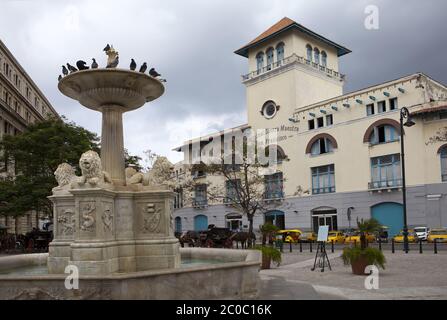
(216, 237)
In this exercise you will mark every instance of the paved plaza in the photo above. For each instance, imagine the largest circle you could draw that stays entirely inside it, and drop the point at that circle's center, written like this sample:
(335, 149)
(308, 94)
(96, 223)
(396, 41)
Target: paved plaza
(407, 276)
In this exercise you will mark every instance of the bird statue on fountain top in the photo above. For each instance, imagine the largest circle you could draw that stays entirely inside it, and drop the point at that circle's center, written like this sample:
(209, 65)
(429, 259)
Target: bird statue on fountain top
(113, 56)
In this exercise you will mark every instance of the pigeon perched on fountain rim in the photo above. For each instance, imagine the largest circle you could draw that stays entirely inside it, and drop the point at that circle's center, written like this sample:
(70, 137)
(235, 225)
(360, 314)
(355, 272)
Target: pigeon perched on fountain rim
(71, 68)
(154, 73)
(81, 65)
(143, 67)
(94, 64)
(64, 70)
(133, 64)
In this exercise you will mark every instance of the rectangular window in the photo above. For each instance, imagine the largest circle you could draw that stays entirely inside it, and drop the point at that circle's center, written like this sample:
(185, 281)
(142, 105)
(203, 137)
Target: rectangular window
(200, 198)
(231, 187)
(444, 165)
(386, 172)
(393, 104)
(329, 120)
(311, 124)
(323, 179)
(273, 186)
(320, 122)
(381, 106)
(370, 109)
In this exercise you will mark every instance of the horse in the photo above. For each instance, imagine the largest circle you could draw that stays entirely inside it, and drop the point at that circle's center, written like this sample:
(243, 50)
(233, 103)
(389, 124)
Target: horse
(244, 238)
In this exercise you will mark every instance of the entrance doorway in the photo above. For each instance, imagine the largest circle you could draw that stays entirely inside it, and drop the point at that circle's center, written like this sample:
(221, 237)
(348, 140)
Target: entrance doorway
(233, 221)
(324, 217)
(276, 218)
(389, 214)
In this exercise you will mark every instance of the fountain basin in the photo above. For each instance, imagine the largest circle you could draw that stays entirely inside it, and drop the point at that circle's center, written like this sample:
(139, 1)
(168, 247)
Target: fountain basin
(96, 88)
(234, 277)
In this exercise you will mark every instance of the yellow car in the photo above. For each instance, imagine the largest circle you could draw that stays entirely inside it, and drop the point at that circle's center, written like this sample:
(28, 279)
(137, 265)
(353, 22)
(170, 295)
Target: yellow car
(412, 237)
(336, 237)
(355, 238)
(439, 234)
(291, 235)
(308, 237)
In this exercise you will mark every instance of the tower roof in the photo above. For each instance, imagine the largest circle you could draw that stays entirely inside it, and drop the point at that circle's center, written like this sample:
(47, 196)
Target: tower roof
(283, 25)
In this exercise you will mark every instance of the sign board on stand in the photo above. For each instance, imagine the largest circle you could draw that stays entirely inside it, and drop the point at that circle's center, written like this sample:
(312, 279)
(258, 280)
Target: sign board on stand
(323, 233)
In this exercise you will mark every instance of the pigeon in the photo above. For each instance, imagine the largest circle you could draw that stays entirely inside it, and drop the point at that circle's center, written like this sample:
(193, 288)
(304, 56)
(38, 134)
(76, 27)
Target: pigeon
(143, 67)
(59, 78)
(154, 73)
(107, 48)
(133, 65)
(94, 64)
(71, 68)
(114, 63)
(64, 71)
(81, 65)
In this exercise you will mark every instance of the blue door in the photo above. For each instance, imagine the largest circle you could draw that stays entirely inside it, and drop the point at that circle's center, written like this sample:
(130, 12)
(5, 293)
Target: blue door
(200, 223)
(389, 214)
(276, 218)
(178, 224)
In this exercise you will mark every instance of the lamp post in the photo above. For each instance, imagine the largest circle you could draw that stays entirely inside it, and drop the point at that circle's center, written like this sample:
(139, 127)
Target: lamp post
(404, 116)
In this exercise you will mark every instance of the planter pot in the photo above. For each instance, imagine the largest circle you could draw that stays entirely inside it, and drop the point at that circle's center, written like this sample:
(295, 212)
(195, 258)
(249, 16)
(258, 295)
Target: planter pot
(358, 267)
(266, 262)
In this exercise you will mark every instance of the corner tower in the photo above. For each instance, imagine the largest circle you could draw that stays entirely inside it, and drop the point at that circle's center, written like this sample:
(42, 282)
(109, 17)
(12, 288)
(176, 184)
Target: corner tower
(289, 66)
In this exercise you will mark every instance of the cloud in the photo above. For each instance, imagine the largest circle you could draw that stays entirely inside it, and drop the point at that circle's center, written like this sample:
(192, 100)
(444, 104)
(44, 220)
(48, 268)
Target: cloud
(191, 43)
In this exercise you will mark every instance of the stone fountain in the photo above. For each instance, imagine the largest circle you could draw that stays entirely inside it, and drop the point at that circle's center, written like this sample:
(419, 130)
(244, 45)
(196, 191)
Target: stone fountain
(115, 226)
(102, 225)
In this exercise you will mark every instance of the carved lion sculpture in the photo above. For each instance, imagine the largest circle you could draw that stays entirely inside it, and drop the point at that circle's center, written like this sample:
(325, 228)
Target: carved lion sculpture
(90, 164)
(65, 175)
(158, 175)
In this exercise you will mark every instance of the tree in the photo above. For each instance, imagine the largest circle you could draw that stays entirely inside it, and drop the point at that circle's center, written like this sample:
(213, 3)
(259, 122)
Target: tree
(368, 226)
(244, 182)
(133, 161)
(29, 160)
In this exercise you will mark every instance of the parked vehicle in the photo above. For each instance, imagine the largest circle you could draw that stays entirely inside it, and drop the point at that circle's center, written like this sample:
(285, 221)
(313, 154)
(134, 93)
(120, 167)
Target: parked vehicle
(412, 237)
(308, 237)
(354, 237)
(290, 235)
(336, 237)
(422, 232)
(383, 234)
(439, 234)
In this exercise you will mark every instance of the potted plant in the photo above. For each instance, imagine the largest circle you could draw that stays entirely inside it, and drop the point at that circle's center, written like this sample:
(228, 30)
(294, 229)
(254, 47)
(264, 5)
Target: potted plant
(268, 252)
(361, 257)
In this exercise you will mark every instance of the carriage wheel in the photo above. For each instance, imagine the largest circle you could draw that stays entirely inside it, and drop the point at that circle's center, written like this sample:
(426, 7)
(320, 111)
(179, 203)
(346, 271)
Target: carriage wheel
(209, 243)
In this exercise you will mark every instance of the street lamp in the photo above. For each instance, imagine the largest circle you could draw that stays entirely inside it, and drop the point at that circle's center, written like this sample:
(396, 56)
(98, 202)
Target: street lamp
(404, 116)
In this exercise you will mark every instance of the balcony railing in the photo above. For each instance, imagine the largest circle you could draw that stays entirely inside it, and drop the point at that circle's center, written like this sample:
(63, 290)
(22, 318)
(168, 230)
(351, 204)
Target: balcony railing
(323, 190)
(385, 184)
(273, 195)
(290, 60)
(199, 203)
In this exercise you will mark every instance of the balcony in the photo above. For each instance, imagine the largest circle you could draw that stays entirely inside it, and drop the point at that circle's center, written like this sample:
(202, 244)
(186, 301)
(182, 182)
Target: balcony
(294, 59)
(274, 195)
(385, 185)
(200, 203)
(323, 190)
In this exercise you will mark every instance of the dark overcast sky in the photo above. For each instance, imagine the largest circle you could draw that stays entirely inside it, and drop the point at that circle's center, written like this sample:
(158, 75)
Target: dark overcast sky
(191, 42)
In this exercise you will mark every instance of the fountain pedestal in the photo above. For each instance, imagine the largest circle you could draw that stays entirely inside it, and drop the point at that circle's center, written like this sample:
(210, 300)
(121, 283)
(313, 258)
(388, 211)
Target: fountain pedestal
(102, 227)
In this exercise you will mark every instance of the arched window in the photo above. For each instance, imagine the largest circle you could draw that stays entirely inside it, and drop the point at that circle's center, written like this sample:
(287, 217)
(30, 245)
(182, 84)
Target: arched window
(309, 52)
(317, 56)
(383, 134)
(323, 58)
(260, 61)
(280, 52)
(322, 146)
(280, 154)
(321, 143)
(443, 154)
(270, 54)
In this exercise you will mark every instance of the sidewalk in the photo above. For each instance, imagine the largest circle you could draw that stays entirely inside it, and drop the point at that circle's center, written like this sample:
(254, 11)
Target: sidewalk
(412, 276)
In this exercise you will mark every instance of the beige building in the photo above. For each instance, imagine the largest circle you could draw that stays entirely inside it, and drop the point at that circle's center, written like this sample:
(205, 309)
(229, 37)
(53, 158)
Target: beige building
(341, 150)
(21, 104)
